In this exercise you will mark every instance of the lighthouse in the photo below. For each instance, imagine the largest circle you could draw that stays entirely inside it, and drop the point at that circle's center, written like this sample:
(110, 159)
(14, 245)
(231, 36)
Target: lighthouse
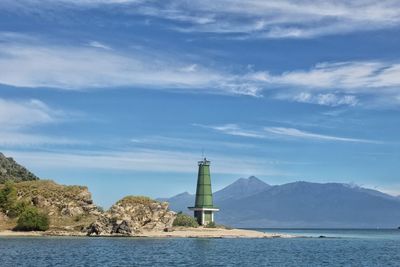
(204, 208)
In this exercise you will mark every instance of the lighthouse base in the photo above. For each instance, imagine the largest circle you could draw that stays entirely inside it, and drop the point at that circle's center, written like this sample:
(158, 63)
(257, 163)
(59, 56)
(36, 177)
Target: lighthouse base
(204, 216)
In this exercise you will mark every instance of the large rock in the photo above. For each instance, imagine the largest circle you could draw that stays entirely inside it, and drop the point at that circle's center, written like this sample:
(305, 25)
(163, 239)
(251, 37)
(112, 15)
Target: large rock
(132, 215)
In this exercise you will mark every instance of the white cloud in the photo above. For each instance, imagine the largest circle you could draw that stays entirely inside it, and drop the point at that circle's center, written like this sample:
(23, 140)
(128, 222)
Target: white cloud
(97, 44)
(232, 129)
(296, 133)
(84, 68)
(341, 83)
(142, 160)
(17, 114)
(20, 139)
(350, 76)
(271, 19)
(328, 99)
(28, 62)
(255, 18)
(192, 143)
(276, 132)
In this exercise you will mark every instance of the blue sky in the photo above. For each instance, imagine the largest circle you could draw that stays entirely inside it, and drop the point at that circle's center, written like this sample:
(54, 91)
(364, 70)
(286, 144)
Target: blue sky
(123, 95)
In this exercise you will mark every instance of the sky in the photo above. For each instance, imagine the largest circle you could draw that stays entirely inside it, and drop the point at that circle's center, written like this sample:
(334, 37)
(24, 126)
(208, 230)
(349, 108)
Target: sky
(125, 96)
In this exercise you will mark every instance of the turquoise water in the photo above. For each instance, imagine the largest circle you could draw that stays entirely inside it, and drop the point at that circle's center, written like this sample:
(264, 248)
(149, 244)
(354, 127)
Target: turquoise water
(341, 248)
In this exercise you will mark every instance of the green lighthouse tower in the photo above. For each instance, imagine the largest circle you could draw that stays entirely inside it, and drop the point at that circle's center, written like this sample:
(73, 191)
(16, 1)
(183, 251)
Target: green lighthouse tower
(204, 208)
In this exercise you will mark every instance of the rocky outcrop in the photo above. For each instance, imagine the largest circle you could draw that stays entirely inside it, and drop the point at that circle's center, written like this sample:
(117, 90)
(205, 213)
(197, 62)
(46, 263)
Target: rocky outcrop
(71, 209)
(11, 170)
(131, 216)
(57, 200)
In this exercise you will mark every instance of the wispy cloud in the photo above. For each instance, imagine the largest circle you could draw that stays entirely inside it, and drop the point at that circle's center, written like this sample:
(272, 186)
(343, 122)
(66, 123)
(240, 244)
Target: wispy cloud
(281, 132)
(328, 99)
(40, 64)
(334, 84)
(143, 160)
(18, 116)
(25, 113)
(18, 139)
(84, 68)
(33, 63)
(299, 134)
(258, 18)
(350, 76)
(232, 129)
(192, 143)
(248, 19)
(97, 44)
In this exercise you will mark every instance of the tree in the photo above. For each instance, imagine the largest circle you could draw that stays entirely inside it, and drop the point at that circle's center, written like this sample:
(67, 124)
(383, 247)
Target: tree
(32, 220)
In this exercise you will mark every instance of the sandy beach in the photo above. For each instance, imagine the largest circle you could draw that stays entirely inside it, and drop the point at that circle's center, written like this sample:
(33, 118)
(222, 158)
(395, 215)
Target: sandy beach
(214, 233)
(14, 233)
(179, 232)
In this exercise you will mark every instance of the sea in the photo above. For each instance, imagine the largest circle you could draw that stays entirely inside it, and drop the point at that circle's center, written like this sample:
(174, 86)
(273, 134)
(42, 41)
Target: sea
(315, 247)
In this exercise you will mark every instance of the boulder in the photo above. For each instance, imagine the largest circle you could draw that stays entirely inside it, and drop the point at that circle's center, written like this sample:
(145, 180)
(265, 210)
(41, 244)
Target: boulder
(133, 215)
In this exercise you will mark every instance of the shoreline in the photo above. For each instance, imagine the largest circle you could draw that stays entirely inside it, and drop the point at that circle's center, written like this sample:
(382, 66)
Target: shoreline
(179, 232)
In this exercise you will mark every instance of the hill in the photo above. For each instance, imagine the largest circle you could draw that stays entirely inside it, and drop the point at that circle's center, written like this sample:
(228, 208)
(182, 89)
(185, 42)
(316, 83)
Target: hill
(11, 170)
(68, 207)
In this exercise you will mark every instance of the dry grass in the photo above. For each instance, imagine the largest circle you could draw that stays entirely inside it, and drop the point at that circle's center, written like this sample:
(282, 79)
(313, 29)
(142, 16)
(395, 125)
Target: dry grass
(136, 200)
(48, 189)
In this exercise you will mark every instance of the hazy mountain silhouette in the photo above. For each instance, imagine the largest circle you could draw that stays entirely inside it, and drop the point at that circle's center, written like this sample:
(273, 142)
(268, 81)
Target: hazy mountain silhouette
(253, 203)
(241, 188)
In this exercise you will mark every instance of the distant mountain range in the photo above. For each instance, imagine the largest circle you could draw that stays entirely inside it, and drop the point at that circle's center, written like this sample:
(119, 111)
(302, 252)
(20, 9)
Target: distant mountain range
(252, 203)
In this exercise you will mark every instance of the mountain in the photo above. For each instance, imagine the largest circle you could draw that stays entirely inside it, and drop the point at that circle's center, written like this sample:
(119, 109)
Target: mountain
(301, 204)
(11, 170)
(241, 188)
(180, 202)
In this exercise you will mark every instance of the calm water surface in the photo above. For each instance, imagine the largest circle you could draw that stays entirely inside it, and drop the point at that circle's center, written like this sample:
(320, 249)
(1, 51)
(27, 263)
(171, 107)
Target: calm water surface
(341, 248)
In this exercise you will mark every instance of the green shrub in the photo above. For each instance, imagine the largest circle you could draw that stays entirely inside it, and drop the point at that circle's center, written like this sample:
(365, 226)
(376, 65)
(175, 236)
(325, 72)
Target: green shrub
(211, 225)
(17, 209)
(185, 220)
(32, 220)
(8, 197)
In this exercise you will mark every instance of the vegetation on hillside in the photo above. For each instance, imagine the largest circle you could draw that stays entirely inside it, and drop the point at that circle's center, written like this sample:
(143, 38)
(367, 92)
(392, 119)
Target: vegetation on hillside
(8, 201)
(11, 170)
(29, 217)
(48, 189)
(32, 220)
(185, 220)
